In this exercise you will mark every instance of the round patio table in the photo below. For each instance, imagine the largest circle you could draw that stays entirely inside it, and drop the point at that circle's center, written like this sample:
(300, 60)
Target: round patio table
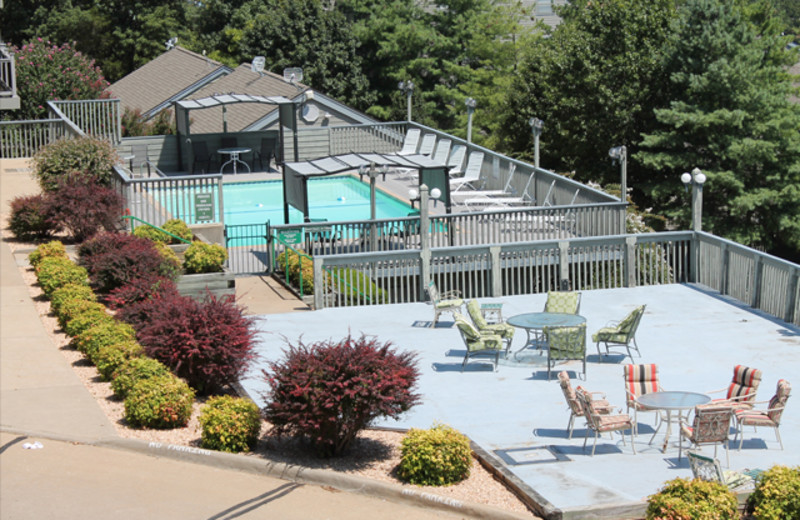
(669, 401)
(234, 154)
(537, 321)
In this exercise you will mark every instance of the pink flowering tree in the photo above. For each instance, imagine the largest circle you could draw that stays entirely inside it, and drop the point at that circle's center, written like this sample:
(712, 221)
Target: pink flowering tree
(47, 72)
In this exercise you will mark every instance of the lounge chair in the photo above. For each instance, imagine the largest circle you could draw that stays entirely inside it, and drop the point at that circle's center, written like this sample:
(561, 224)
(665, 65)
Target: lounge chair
(410, 142)
(640, 380)
(741, 393)
(427, 145)
(472, 173)
(711, 425)
(442, 151)
(448, 302)
(770, 417)
(621, 334)
(478, 344)
(600, 422)
(564, 344)
(576, 410)
(504, 330)
(455, 160)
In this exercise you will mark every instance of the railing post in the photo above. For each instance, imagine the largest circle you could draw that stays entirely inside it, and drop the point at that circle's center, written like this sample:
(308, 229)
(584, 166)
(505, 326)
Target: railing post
(725, 255)
(319, 284)
(791, 297)
(629, 268)
(497, 276)
(563, 265)
(758, 267)
(694, 256)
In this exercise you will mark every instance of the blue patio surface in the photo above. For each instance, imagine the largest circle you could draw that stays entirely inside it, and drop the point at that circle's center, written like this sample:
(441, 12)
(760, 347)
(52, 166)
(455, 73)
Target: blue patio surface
(693, 334)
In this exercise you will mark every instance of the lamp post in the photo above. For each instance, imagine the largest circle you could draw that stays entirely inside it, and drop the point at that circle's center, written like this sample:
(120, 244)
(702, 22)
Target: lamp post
(620, 153)
(408, 88)
(536, 127)
(471, 104)
(696, 179)
(423, 196)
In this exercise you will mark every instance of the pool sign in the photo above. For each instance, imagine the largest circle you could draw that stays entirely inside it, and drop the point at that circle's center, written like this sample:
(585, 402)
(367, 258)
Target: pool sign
(290, 238)
(204, 207)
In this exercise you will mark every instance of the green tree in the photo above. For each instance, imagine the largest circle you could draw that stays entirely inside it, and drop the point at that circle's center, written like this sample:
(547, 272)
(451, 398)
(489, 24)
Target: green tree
(731, 116)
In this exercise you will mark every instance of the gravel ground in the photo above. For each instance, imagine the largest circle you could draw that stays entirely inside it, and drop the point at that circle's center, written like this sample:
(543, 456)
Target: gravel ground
(375, 453)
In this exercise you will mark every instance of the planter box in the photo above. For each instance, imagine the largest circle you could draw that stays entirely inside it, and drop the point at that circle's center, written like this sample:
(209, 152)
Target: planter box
(218, 284)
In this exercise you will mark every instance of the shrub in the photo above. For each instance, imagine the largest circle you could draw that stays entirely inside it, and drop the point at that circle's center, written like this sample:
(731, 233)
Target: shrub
(152, 234)
(54, 248)
(684, 499)
(115, 259)
(209, 343)
(230, 424)
(178, 228)
(147, 303)
(56, 272)
(290, 261)
(171, 266)
(30, 218)
(69, 293)
(104, 333)
(329, 391)
(110, 357)
(133, 370)
(138, 290)
(84, 154)
(159, 402)
(83, 206)
(435, 457)
(80, 317)
(175, 226)
(777, 494)
(204, 258)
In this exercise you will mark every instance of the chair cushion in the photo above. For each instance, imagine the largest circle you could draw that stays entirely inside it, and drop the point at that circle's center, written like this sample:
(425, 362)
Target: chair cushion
(474, 311)
(778, 401)
(753, 418)
(444, 304)
(745, 383)
(611, 334)
(613, 422)
(503, 330)
(466, 328)
(562, 301)
(640, 380)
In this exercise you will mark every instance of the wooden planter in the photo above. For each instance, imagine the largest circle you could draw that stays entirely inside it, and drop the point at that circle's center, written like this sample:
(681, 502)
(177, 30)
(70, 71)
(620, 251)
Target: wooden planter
(218, 284)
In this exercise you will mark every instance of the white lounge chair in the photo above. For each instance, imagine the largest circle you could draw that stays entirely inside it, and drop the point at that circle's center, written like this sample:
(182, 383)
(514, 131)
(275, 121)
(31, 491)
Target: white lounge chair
(442, 151)
(427, 144)
(472, 173)
(456, 160)
(410, 142)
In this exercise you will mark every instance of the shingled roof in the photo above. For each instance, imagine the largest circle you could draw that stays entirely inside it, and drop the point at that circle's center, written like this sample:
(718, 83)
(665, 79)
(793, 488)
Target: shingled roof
(172, 76)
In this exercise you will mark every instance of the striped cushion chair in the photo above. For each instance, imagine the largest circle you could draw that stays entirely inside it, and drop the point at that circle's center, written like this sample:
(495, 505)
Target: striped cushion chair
(640, 380)
(504, 330)
(599, 423)
(601, 405)
(741, 393)
(478, 344)
(770, 417)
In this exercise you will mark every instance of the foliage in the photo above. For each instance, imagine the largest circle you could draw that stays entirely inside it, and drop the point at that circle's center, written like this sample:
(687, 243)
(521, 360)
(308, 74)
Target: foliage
(77, 316)
(137, 290)
(68, 293)
(171, 266)
(55, 272)
(115, 259)
(95, 157)
(208, 343)
(54, 248)
(290, 262)
(684, 499)
(230, 424)
(435, 457)
(175, 226)
(160, 402)
(90, 341)
(204, 258)
(133, 370)
(777, 494)
(135, 125)
(29, 218)
(46, 72)
(83, 206)
(109, 357)
(329, 391)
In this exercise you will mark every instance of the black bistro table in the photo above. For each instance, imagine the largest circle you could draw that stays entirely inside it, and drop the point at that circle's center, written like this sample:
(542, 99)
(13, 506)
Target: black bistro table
(538, 321)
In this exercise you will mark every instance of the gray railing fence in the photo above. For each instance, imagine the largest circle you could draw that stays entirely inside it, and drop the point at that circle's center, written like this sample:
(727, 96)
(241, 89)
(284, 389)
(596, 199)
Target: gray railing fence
(100, 118)
(22, 139)
(8, 76)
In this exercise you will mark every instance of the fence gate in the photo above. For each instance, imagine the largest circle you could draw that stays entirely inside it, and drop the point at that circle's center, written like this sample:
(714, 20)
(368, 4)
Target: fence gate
(248, 248)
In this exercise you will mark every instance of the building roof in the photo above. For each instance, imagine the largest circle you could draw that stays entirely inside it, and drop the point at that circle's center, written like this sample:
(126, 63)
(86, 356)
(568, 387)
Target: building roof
(171, 76)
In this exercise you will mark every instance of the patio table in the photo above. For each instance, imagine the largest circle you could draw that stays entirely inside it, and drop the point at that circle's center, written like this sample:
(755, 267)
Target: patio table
(669, 401)
(538, 321)
(234, 154)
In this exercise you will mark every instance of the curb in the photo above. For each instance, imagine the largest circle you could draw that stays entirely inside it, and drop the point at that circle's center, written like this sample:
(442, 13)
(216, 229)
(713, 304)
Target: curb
(298, 474)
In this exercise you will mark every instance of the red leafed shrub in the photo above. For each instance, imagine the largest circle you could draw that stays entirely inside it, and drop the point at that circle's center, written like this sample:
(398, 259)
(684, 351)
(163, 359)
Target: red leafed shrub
(329, 391)
(116, 259)
(84, 206)
(30, 219)
(208, 343)
(139, 289)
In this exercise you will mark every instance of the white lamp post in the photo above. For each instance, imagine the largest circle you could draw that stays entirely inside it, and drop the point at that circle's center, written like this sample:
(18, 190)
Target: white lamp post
(471, 104)
(408, 88)
(536, 127)
(620, 153)
(696, 179)
(423, 196)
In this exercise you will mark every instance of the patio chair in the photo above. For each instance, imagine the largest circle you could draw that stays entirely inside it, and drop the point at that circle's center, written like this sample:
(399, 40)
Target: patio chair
(442, 151)
(601, 405)
(472, 173)
(139, 159)
(564, 344)
(427, 144)
(478, 344)
(266, 153)
(770, 417)
(602, 422)
(448, 302)
(568, 302)
(504, 330)
(201, 156)
(709, 469)
(741, 393)
(230, 142)
(410, 142)
(621, 334)
(711, 425)
(455, 161)
(640, 380)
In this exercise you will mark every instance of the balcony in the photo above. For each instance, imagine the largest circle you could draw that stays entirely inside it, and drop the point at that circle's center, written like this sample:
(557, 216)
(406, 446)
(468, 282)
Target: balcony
(9, 100)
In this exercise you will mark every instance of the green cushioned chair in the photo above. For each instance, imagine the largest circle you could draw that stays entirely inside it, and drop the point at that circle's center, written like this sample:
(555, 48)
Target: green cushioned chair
(568, 302)
(478, 344)
(448, 302)
(621, 334)
(504, 330)
(564, 344)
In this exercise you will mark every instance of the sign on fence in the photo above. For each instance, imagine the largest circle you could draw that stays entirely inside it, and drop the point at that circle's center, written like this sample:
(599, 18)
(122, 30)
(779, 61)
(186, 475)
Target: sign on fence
(204, 207)
(290, 238)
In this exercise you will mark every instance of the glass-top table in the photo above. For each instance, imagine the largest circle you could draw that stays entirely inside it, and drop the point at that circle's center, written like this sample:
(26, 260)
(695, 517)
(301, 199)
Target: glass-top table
(537, 321)
(234, 154)
(669, 401)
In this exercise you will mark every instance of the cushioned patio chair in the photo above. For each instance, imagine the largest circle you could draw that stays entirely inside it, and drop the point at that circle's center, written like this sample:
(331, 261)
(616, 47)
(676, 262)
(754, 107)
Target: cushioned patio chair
(504, 330)
(447, 302)
(770, 417)
(200, 156)
(478, 344)
(565, 344)
(567, 302)
(711, 425)
(621, 334)
(601, 404)
(709, 469)
(600, 422)
(741, 393)
(640, 380)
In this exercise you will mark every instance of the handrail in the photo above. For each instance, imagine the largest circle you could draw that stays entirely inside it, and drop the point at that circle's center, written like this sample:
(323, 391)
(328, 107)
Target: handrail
(346, 283)
(131, 217)
(300, 256)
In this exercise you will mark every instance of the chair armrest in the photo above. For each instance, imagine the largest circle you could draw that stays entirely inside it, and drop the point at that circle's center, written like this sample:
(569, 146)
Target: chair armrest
(717, 391)
(449, 295)
(601, 394)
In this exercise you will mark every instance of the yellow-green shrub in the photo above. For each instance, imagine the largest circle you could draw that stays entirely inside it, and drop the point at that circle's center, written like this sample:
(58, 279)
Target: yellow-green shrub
(78, 315)
(160, 402)
(90, 340)
(54, 248)
(230, 424)
(684, 499)
(109, 357)
(289, 261)
(133, 370)
(68, 293)
(777, 494)
(435, 457)
(204, 258)
(55, 272)
(174, 226)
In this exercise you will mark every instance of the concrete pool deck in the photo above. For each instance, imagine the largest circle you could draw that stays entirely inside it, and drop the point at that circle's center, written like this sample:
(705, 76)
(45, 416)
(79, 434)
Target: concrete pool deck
(519, 418)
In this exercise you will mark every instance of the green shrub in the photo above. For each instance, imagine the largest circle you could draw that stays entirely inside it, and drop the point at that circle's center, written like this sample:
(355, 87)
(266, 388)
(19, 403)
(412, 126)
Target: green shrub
(110, 357)
(104, 333)
(171, 266)
(160, 402)
(204, 258)
(684, 499)
(132, 371)
(78, 315)
(68, 293)
(178, 228)
(54, 248)
(175, 226)
(230, 424)
(435, 457)
(151, 233)
(777, 494)
(56, 272)
(84, 154)
(290, 263)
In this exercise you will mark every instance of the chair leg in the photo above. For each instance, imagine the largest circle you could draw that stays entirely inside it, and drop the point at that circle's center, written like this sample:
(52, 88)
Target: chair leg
(778, 435)
(570, 425)
(594, 446)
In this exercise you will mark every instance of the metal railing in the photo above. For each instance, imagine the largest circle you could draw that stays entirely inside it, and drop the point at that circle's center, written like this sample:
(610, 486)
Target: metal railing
(100, 118)
(22, 139)
(8, 75)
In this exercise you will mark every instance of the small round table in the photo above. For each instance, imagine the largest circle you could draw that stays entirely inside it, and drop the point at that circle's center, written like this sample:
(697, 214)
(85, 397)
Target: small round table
(234, 154)
(540, 320)
(669, 401)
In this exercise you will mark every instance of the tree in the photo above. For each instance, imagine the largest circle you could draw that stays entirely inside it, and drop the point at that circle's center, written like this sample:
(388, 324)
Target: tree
(48, 72)
(731, 116)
